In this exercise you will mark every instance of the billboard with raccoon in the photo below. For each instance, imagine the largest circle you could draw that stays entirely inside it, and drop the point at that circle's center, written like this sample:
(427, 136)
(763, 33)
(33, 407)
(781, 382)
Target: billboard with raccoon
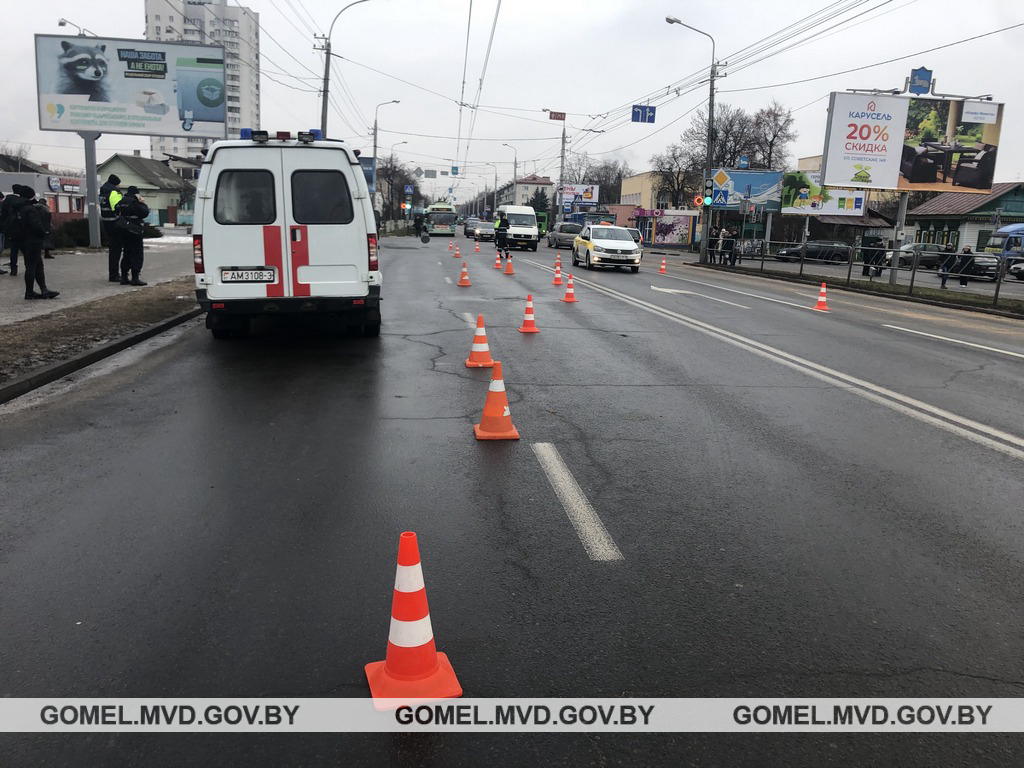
(144, 87)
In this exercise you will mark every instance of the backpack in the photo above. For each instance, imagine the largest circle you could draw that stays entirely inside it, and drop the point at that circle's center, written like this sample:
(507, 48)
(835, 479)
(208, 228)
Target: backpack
(16, 226)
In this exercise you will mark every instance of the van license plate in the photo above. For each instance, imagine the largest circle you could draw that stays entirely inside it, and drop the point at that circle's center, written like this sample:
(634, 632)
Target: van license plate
(247, 275)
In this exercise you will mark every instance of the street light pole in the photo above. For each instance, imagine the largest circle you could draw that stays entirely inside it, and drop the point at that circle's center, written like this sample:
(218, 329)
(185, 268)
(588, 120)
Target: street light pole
(515, 169)
(327, 67)
(706, 227)
(393, 101)
(495, 208)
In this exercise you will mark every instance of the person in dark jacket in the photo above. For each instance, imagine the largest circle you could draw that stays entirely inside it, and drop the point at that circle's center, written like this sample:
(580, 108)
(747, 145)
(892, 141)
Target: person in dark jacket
(946, 263)
(2, 271)
(33, 233)
(132, 208)
(964, 264)
(728, 247)
(110, 196)
(47, 219)
(12, 224)
(501, 234)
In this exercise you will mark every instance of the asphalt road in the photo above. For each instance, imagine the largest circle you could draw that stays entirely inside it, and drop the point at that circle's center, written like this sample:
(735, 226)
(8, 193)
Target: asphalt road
(804, 504)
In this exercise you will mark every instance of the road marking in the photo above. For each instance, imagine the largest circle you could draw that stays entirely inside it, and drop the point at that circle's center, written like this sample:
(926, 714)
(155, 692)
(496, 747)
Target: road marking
(694, 293)
(595, 537)
(955, 341)
(948, 421)
(440, 264)
(448, 280)
(469, 318)
(733, 290)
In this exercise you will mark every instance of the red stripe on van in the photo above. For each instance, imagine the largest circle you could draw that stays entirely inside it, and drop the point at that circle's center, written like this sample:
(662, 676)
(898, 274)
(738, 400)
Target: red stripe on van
(300, 258)
(272, 257)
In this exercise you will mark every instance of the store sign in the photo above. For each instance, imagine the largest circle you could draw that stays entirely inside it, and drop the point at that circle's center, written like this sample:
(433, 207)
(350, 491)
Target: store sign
(894, 142)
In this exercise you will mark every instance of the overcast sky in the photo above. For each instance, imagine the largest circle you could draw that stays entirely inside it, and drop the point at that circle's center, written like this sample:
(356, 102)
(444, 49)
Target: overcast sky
(589, 58)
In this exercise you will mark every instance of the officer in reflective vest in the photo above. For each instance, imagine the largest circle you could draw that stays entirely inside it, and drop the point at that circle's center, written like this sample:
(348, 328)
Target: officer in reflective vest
(110, 196)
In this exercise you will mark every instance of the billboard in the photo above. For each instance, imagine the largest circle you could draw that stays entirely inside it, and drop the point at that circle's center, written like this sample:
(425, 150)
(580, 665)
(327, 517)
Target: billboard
(143, 87)
(919, 144)
(733, 188)
(581, 195)
(804, 194)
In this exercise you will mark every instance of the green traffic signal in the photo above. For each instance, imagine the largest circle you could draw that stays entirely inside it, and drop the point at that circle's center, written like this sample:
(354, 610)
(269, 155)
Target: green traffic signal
(707, 200)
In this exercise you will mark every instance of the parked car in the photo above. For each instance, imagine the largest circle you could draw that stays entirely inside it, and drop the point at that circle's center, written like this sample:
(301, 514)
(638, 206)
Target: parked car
(818, 250)
(928, 255)
(483, 230)
(606, 246)
(1017, 270)
(467, 227)
(985, 265)
(638, 238)
(563, 234)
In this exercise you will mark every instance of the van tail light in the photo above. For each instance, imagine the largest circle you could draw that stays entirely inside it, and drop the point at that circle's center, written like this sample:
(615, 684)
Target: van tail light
(371, 247)
(197, 254)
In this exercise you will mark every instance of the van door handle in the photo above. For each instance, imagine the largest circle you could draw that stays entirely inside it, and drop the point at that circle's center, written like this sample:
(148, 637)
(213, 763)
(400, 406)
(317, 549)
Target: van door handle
(296, 234)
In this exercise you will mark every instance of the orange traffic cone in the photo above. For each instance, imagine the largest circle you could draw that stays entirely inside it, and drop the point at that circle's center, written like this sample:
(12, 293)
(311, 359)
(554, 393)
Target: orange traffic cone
(529, 325)
(480, 353)
(464, 277)
(508, 266)
(412, 668)
(570, 294)
(497, 260)
(662, 270)
(478, 247)
(558, 274)
(451, 243)
(456, 254)
(821, 306)
(496, 423)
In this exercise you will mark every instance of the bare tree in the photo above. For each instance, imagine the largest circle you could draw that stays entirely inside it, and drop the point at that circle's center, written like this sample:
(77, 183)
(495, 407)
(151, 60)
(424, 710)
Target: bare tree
(771, 136)
(577, 168)
(679, 174)
(733, 136)
(608, 174)
(13, 155)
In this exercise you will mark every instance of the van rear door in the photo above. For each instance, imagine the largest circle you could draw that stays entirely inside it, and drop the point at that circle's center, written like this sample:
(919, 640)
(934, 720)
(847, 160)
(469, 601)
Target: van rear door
(327, 251)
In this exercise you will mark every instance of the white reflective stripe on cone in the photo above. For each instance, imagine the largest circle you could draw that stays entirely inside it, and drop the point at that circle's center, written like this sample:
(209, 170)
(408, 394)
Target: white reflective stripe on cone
(409, 578)
(410, 634)
(497, 385)
(480, 347)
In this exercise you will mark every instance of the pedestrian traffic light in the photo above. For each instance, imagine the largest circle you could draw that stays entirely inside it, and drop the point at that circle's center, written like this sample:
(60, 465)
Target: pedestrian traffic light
(698, 201)
(709, 191)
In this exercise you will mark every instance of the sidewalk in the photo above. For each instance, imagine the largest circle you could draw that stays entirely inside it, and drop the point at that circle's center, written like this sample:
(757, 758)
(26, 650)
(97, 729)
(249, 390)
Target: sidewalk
(81, 275)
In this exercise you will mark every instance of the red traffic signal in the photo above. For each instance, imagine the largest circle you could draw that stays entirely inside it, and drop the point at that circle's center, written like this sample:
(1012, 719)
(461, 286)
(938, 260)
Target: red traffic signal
(698, 201)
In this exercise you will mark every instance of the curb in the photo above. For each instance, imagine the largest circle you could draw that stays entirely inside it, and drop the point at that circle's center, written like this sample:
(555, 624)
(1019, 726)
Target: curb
(30, 381)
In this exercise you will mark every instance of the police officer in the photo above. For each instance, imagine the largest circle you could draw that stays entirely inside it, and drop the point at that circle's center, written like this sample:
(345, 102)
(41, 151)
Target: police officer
(12, 224)
(110, 196)
(501, 234)
(134, 211)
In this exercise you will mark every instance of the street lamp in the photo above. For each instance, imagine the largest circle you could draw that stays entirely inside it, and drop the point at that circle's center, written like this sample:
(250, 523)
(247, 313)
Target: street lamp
(495, 208)
(706, 228)
(515, 168)
(393, 101)
(327, 67)
(82, 31)
(396, 144)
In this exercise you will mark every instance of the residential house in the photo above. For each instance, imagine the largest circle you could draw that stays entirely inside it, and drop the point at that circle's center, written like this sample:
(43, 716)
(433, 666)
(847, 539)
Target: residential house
(163, 189)
(964, 218)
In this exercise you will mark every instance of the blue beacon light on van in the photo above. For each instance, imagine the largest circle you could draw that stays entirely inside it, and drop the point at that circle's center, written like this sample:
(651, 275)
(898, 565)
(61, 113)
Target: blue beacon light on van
(245, 133)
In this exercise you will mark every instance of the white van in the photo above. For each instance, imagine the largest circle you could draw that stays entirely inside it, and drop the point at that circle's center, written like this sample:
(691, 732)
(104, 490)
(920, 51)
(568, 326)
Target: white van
(522, 226)
(284, 225)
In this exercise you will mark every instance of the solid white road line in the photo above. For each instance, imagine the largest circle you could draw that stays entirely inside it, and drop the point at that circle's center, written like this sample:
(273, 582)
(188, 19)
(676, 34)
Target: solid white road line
(595, 537)
(744, 293)
(694, 293)
(955, 341)
(448, 280)
(469, 318)
(976, 432)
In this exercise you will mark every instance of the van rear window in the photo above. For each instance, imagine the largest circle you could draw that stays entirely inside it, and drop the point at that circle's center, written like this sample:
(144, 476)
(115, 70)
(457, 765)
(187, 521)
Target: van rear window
(245, 197)
(321, 197)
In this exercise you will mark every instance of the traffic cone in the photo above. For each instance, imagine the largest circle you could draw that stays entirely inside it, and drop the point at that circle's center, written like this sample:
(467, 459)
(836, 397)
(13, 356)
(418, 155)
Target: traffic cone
(508, 267)
(497, 260)
(821, 306)
(464, 277)
(662, 270)
(412, 668)
(570, 294)
(496, 423)
(479, 353)
(478, 246)
(529, 325)
(451, 243)
(558, 274)
(456, 254)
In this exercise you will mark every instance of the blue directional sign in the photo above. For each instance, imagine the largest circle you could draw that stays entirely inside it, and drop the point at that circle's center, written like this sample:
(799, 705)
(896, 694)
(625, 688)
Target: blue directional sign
(408, 189)
(642, 113)
(920, 81)
(455, 170)
(744, 161)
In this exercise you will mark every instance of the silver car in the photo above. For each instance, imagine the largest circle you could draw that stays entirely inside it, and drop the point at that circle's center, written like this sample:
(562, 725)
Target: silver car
(563, 234)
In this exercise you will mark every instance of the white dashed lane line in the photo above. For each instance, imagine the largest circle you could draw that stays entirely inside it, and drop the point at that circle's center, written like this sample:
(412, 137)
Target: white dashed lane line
(595, 537)
(955, 341)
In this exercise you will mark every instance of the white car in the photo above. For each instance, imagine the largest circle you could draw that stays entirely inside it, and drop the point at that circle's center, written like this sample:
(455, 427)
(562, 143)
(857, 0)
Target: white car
(1017, 270)
(602, 245)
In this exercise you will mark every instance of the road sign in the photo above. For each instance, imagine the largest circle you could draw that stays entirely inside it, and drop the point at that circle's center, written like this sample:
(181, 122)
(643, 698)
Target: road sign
(744, 161)
(920, 81)
(430, 173)
(721, 197)
(455, 170)
(418, 172)
(408, 189)
(642, 113)
(556, 115)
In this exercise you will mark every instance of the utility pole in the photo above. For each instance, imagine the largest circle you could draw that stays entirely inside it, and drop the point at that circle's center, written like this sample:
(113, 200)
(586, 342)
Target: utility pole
(327, 66)
(560, 194)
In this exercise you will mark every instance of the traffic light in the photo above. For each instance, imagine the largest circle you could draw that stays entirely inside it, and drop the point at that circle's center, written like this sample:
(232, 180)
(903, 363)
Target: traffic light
(709, 191)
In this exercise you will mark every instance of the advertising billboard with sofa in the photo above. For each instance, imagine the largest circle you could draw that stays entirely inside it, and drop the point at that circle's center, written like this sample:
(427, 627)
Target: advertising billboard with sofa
(894, 142)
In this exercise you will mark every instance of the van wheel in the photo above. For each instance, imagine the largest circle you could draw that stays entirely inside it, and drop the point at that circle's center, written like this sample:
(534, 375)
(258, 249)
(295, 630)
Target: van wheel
(533, 247)
(371, 330)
